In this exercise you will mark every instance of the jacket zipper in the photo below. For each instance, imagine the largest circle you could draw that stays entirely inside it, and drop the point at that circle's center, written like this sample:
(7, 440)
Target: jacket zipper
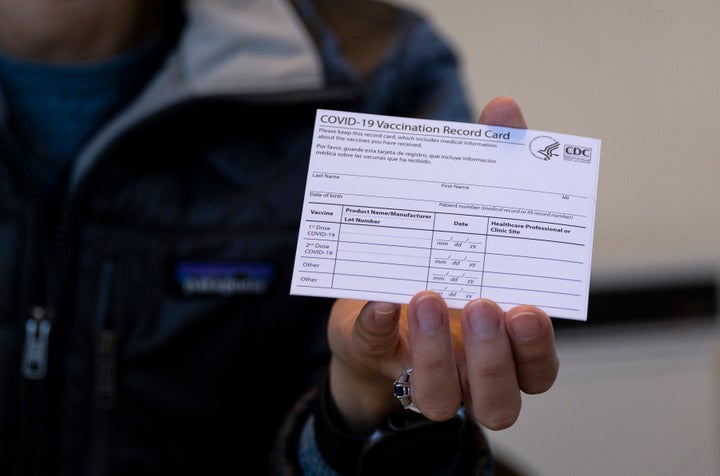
(37, 336)
(35, 298)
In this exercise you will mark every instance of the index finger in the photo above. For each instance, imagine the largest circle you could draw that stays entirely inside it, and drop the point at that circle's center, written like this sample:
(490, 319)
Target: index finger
(435, 382)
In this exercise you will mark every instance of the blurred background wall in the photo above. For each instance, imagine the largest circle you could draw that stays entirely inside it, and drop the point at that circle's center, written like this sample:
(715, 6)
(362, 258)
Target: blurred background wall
(639, 395)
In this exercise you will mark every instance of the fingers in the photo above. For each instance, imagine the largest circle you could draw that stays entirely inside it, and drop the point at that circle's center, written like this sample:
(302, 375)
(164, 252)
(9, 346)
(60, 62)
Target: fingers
(482, 357)
(488, 363)
(507, 353)
(503, 111)
(494, 393)
(435, 384)
(533, 342)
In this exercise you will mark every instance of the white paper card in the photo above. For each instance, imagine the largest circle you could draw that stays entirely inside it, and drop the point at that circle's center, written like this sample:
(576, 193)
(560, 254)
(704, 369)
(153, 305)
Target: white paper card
(397, 205)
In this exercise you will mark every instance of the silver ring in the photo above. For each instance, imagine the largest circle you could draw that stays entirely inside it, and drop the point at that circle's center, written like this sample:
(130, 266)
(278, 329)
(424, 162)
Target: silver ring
(402, 391)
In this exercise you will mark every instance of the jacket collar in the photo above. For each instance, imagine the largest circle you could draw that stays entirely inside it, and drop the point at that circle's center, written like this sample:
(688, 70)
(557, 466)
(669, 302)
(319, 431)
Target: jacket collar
(226, 46)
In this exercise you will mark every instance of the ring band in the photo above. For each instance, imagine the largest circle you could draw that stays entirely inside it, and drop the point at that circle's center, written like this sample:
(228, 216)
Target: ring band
(402, 391)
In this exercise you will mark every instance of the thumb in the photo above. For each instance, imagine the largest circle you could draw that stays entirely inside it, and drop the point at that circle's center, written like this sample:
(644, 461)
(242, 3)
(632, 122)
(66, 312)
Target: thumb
(376, 329)
(360, 331)
(503, 111)
(364, 338)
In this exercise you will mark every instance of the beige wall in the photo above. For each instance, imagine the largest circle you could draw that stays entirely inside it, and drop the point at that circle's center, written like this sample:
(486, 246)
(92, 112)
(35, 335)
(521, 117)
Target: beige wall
(643, 76)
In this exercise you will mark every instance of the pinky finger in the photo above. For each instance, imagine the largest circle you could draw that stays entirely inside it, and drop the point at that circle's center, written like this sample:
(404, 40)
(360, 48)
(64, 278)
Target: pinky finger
(533, 344)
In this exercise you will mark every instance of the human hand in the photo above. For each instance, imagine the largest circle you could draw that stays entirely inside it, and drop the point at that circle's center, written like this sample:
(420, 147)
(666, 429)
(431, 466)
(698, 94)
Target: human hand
(479, 356)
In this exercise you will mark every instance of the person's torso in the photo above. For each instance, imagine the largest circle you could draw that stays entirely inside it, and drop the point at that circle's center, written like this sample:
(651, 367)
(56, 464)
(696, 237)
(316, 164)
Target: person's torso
(166, 281)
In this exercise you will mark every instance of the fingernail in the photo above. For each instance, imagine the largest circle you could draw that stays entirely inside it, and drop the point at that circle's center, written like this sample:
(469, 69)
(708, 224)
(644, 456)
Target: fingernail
(429, 314)
(525, 325)
(384, 315)
(484, 320)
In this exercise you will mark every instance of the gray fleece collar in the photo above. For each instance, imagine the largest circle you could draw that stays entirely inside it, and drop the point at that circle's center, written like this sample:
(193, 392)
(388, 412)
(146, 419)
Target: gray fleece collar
(227, 46)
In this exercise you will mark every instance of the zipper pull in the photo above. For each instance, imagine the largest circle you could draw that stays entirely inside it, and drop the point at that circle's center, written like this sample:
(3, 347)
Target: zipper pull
(37, 334)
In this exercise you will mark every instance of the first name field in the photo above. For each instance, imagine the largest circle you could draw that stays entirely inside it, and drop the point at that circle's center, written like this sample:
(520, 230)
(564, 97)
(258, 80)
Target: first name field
(397, 205)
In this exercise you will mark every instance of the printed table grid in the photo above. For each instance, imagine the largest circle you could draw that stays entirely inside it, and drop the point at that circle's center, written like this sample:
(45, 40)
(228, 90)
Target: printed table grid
(461, 257)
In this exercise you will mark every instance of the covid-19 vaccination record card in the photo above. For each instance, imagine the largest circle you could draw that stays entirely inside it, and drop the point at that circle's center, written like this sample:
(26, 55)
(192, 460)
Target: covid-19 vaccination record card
(396, 205)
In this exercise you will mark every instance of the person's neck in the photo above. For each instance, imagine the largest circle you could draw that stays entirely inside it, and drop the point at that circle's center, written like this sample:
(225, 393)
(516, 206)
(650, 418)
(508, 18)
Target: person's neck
(68, 31)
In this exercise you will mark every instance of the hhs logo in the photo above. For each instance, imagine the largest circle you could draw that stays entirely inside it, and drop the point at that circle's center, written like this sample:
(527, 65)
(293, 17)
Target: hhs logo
(576, 153)
(544, 147)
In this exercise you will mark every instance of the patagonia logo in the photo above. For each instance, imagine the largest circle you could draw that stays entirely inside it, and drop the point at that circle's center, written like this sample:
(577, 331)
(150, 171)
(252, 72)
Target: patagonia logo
(224, 278)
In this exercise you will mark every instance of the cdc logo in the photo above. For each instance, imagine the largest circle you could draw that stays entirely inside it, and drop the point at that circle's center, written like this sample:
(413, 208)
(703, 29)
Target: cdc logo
(577, 153)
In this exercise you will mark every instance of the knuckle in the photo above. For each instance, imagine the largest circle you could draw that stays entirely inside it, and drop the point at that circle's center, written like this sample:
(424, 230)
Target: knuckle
(495, 370)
